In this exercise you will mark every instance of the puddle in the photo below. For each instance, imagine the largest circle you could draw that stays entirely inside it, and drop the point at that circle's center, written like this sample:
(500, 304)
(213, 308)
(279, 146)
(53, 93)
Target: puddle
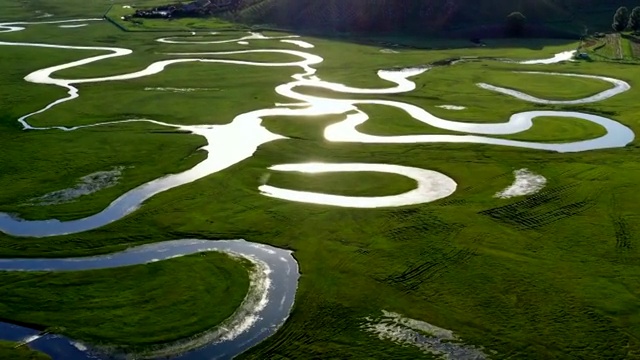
(43, 14)
(178, 90)
(451, 107)
(442, 343)
(88, 184)
(526, 183)
(72, 26)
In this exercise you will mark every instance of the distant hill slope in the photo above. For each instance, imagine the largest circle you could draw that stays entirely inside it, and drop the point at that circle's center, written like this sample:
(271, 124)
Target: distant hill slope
(428, 16)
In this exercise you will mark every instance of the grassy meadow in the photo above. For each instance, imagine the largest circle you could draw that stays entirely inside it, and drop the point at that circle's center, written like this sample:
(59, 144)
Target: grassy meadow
(131, 305)
(9, 352)
(548, 276)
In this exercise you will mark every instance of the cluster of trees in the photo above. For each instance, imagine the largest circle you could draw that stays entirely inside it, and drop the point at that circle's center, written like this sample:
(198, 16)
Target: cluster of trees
(622, 20)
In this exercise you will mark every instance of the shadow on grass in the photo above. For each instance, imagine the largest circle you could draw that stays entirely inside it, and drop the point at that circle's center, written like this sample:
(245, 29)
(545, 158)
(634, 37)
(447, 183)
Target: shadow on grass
(433, 42)
(494, 36)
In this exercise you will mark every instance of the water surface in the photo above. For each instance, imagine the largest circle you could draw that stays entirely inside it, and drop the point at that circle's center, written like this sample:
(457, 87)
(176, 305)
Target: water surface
(282, 275)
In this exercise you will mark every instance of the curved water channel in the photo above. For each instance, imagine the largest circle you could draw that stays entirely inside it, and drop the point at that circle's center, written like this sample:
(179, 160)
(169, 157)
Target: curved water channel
(267, 306)
(432, 186)
(228, 145)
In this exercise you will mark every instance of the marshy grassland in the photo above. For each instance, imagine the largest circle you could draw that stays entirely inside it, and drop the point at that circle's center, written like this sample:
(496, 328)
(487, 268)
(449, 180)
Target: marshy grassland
(546, 276)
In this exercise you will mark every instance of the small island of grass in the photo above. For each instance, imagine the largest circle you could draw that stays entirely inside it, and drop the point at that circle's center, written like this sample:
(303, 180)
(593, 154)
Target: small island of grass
(133, 306)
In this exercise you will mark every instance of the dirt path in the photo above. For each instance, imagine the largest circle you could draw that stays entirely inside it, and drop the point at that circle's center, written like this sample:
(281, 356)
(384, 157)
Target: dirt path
(635, 47)
(613, 40)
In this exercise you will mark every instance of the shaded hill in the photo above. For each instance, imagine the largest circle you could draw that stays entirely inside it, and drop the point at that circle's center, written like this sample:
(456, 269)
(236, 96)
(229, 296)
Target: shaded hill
(456, 17)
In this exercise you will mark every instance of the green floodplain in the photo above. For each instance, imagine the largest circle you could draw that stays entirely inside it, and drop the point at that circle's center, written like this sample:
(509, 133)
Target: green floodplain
(548, 276)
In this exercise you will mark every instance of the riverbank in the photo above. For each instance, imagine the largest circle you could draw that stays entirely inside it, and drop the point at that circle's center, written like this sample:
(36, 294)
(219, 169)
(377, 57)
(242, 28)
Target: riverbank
(131, 307)
(8, 351)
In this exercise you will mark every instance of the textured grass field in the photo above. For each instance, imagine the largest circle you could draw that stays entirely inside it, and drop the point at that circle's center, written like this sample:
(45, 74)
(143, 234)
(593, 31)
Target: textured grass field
(133, 306)
(615, 48)
(553, 275)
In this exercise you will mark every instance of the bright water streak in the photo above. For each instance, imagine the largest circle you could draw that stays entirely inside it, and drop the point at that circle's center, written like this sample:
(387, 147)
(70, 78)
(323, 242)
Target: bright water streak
(431, 186)
(228, 144)
(223, 150)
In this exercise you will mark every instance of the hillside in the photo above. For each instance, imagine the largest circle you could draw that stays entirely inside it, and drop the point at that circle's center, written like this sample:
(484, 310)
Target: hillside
(461, 17)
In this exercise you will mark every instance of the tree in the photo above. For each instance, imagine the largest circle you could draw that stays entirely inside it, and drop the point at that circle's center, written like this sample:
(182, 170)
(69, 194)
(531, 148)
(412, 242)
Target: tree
(515, 24)
(634, 19)
(620, 19)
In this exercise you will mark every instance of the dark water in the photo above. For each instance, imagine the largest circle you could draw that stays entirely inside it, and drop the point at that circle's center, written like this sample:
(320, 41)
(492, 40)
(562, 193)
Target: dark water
(283, 276)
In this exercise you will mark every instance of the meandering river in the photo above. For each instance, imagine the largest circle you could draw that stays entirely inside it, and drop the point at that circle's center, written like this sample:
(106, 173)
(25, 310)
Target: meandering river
(271, 296)
(228, 145)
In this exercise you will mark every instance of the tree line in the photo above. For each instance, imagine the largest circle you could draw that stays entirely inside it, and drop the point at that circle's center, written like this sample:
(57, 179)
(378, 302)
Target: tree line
(623, 20)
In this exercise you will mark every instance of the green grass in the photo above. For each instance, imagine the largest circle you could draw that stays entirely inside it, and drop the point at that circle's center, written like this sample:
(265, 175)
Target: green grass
(32, 10)
(137, 305)
(634, 44)
(358, 184)
(612, 48)
(89, 151)
(9, 352)
(547, 276)
(390, 122)
(549, 87)
(556, 129)
(116, 13)
(616, 47)
(627, 49)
